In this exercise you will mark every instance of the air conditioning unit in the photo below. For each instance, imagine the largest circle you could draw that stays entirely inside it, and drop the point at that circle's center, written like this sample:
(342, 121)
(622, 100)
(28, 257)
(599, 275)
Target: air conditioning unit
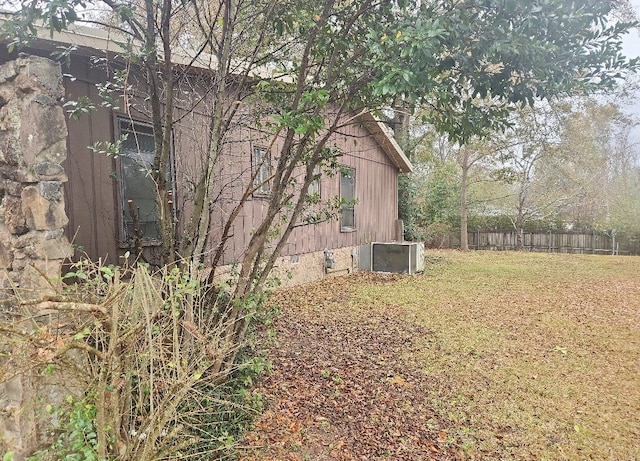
(398, 257)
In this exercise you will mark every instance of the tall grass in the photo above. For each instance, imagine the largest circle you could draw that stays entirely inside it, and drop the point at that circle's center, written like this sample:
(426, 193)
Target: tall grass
(150, 361)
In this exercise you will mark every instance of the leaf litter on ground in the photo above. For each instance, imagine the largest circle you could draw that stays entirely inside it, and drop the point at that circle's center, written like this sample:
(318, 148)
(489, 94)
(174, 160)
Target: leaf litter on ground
(485, 356)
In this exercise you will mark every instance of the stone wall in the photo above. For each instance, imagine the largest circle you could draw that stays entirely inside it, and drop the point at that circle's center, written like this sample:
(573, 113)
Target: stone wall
(32, 148)
(33, 245)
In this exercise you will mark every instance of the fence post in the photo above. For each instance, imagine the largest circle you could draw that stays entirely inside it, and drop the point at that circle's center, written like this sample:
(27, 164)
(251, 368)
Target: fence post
(613, 242)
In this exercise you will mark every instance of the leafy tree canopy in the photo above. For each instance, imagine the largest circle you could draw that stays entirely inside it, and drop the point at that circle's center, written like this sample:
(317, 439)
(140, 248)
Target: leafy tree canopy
(469, 61)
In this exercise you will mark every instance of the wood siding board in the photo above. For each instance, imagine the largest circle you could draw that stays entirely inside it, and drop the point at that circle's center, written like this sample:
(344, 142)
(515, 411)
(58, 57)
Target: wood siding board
(82, 180)
(91, 191)
(106, 208)
(80, 206)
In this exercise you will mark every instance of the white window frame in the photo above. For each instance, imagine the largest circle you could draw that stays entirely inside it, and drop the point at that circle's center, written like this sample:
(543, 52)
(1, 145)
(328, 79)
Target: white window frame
(348, 208)
(144, 159)
(261, 160)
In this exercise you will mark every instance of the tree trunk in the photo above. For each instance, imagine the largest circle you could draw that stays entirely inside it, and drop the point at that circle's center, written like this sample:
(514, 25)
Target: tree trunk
(464, 239)
(520, 220)
(520, 238)
(401, 117)
(165, 192)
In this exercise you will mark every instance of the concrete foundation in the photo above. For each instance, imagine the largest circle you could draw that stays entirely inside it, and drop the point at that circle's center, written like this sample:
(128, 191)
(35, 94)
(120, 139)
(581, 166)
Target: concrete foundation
(297, 269)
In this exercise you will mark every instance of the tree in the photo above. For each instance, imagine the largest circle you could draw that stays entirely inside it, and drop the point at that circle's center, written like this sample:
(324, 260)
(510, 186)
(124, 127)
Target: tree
(529, 143)
(428, 203)
(563, 164)
(481, 101)
(594, 162)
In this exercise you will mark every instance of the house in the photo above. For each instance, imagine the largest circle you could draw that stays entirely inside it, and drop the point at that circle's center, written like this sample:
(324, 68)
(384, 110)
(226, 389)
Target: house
(110, 199)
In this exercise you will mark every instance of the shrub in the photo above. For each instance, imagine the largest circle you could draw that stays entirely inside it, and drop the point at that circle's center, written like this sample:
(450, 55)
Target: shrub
(156, 363)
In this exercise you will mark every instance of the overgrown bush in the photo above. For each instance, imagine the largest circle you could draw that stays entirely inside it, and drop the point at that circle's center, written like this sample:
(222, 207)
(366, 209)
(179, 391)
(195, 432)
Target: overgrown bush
(408, 209)
(439, 235)
(159, 374)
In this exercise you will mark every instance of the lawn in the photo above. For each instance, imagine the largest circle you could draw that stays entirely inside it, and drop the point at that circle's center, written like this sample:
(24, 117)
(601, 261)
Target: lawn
(487, 356)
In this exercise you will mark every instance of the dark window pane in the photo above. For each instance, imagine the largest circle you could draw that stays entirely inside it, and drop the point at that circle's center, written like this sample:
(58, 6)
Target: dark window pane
(314, 186)
(348, 218)
(138, 188)
(260, 163)
(139, 143)
(347, 183)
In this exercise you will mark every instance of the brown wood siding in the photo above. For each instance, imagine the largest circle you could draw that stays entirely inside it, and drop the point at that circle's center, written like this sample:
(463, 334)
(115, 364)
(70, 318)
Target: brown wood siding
(376, 209)
(376, 192)
(92, 191)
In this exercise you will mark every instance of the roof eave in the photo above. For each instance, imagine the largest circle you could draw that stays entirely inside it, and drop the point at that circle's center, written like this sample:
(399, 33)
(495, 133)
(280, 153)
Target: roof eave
(385, 139)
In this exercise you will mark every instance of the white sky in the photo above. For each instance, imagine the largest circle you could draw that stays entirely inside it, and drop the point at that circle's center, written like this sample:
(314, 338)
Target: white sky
(632, 41)
(631, 46)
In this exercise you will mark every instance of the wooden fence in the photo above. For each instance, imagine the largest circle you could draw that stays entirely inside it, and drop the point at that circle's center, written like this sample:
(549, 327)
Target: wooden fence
(552, 242)
(549, 241)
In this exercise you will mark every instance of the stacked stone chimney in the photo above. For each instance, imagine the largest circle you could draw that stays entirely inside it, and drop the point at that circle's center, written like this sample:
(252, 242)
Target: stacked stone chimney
(33, 134)
(33, 245)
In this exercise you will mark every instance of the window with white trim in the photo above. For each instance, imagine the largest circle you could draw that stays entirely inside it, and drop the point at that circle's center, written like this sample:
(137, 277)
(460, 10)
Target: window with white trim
(137, 188)
(261, 170)
(347, 199)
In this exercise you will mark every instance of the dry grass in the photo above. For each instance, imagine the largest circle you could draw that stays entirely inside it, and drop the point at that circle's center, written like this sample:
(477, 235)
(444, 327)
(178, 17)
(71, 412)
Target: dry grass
(513, 356)
(538, 355)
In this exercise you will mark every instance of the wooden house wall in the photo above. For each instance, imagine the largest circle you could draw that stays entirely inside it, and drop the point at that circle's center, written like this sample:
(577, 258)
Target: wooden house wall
(93, 190)
(376, 210)
(376, 193)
